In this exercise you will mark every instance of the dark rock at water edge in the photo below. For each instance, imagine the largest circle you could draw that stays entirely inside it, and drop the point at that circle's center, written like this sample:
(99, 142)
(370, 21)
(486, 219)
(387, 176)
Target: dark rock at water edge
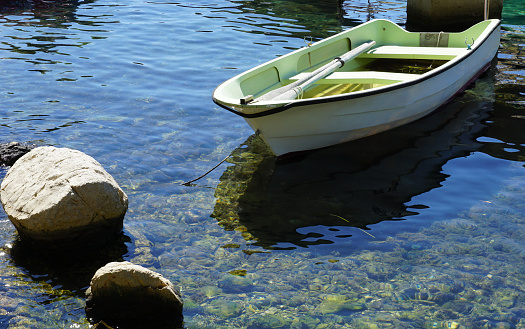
(10, 152)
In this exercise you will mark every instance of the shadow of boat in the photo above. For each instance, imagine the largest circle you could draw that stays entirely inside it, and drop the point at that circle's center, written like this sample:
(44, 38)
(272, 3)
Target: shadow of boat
(355, 184)
(59, 14)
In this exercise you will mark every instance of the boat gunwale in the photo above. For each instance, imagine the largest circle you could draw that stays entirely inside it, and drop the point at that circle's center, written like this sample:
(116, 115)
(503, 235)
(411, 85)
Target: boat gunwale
(366, 93)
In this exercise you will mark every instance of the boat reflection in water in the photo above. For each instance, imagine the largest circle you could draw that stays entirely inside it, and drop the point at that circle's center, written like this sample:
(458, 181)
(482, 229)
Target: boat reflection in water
(50, 13)
(328, 193)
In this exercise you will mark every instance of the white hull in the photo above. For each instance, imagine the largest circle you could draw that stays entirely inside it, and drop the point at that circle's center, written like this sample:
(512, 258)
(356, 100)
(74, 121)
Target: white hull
(320, 125)
(332, 121)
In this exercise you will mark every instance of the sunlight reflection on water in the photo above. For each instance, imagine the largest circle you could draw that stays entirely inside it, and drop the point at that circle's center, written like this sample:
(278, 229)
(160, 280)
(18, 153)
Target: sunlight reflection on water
(130, 84)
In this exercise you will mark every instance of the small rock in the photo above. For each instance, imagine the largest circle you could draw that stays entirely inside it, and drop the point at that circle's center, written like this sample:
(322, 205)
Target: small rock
(11, 152)
(375, 304)
(503, 325)
(235, 284)
(268, 321)
(122, 293)
(337, 303)
(223, 309)
(58, 196)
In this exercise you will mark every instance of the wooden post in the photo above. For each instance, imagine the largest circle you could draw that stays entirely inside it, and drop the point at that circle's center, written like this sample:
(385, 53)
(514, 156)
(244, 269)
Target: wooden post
(449, 15)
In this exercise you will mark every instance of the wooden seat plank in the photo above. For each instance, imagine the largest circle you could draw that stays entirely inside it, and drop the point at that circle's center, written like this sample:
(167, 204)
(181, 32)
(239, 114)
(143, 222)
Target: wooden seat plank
(362, 77)
(402, 52)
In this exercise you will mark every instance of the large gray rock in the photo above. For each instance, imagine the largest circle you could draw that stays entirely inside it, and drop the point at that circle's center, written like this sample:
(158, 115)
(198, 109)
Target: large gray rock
(121, 293)
(61, 196)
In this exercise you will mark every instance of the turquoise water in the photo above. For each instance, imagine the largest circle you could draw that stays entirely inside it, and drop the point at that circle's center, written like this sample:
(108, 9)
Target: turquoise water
(420, 227)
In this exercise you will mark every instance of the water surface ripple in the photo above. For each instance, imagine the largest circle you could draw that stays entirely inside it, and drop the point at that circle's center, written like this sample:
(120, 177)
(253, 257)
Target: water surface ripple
(420, 227)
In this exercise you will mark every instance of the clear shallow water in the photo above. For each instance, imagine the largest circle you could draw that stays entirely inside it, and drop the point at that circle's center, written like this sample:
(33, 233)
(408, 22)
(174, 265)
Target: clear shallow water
(354, 235)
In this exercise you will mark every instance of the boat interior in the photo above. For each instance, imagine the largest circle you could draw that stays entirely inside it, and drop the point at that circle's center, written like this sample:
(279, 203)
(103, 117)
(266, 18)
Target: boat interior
(382, 66)
(407, 58)
(373, 74)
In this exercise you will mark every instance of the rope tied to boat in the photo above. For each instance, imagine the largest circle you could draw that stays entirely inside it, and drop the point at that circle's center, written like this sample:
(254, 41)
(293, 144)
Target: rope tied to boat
(341, 61)
(469, 46)
(299, 92)
(188, 183)
(308, 44)
(437, 45)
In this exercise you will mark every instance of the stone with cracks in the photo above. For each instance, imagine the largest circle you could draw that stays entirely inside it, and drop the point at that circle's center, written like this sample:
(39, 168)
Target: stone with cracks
(59, 196)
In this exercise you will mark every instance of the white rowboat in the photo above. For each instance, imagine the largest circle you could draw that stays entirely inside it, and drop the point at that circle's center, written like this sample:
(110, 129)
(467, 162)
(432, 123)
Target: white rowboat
(368, 79)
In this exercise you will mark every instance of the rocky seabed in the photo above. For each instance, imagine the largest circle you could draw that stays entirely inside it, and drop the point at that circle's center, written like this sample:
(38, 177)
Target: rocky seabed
(466, 272)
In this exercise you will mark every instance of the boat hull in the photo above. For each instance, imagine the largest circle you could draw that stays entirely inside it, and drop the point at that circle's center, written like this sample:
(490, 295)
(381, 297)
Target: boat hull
(319, 123)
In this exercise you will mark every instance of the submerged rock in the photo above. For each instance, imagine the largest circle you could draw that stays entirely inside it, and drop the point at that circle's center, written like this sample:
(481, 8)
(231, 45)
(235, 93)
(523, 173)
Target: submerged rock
(124, 294)
(338, 303)
(223, 309)
(235, 284)
(58, 196)
(268, 321)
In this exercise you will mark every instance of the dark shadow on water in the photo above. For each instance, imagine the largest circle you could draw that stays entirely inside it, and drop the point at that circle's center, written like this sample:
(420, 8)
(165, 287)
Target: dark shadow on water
(52, 13)
(40, 8)
(504, 138)
(302, 18)
(70, 269)
(319, 198)
(314, 19)
(60, 14)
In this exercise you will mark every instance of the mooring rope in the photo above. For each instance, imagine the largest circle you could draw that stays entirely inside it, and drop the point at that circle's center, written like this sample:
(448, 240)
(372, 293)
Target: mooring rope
(437, 45)
(204, 175)
(188, 183)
